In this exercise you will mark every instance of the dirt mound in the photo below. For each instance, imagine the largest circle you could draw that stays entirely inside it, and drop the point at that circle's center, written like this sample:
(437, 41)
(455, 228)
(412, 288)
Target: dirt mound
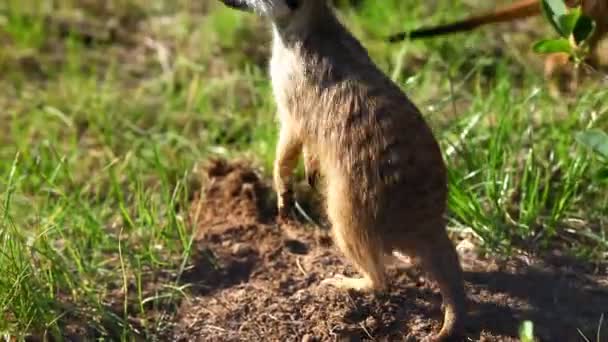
(256, 281)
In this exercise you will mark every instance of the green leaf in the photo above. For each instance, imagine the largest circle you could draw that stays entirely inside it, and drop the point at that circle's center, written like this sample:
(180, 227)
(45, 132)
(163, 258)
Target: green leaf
(553, 10)
(583, 28)
(526, 331)
(568, 22)
(596, 140)
(552, 46)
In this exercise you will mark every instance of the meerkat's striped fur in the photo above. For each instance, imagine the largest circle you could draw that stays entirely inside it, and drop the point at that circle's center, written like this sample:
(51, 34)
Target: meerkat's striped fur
(384, 176)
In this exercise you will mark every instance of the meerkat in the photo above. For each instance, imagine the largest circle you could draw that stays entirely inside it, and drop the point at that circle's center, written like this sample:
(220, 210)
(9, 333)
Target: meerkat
(556, 65)
(384, 177)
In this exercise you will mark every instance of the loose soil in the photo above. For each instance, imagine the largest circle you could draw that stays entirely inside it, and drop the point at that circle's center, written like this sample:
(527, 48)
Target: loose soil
(256, 280)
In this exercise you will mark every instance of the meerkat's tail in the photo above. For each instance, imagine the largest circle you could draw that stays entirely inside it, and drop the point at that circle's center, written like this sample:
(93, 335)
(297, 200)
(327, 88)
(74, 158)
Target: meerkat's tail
(439, 258)
(519, 10)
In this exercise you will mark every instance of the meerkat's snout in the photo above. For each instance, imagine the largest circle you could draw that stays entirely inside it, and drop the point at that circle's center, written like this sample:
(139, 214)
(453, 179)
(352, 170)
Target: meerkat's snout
(268, 8)
(237, 4)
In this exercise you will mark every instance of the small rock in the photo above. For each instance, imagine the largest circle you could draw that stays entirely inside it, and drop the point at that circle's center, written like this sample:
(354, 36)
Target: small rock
(241, 249)
(296, 247)
(467, 249)
(371, 322)
(308, 338)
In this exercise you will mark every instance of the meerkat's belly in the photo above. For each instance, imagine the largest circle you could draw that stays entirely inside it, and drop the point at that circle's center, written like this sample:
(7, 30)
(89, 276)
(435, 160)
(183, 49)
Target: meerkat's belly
(285, 70)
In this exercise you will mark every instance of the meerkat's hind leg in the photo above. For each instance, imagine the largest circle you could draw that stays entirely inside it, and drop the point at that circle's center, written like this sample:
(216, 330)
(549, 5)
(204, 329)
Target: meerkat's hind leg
(372, 269)
(438, 257)
(362, 250)
(288, 150)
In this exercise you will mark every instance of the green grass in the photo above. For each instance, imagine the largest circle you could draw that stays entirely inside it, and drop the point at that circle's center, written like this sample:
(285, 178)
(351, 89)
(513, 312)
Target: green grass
(100, 141)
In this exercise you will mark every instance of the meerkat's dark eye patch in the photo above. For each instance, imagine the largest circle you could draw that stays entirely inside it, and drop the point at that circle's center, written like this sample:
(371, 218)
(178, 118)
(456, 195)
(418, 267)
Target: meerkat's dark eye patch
(292, 4)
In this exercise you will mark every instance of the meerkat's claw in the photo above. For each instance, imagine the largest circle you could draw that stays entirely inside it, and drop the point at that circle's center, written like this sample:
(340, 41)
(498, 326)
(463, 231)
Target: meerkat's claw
(284, 212)
(311, 168)
(285, 204)
(347, 283)
(312, 178)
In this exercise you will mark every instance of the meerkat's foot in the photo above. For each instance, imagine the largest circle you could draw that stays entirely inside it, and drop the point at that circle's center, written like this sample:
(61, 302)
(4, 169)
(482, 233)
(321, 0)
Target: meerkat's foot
(347, 283)
(285, 204)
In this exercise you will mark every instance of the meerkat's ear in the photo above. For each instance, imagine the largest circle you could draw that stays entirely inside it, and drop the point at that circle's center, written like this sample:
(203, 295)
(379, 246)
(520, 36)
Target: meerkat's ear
(293, 4)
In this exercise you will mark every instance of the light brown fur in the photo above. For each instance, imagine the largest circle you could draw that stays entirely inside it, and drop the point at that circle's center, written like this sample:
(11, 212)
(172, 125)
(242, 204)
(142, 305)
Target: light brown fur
(384, 177)
(557, 66)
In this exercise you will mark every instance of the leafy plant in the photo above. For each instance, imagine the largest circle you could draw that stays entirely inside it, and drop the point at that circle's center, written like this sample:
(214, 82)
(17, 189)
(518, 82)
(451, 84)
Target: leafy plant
(574, 29)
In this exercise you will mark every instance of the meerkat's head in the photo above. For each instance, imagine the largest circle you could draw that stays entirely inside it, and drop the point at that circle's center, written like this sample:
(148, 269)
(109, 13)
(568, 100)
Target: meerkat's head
(272, 9)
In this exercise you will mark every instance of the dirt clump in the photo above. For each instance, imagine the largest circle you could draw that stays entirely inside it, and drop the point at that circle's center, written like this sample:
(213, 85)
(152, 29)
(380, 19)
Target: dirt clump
(259, 281)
